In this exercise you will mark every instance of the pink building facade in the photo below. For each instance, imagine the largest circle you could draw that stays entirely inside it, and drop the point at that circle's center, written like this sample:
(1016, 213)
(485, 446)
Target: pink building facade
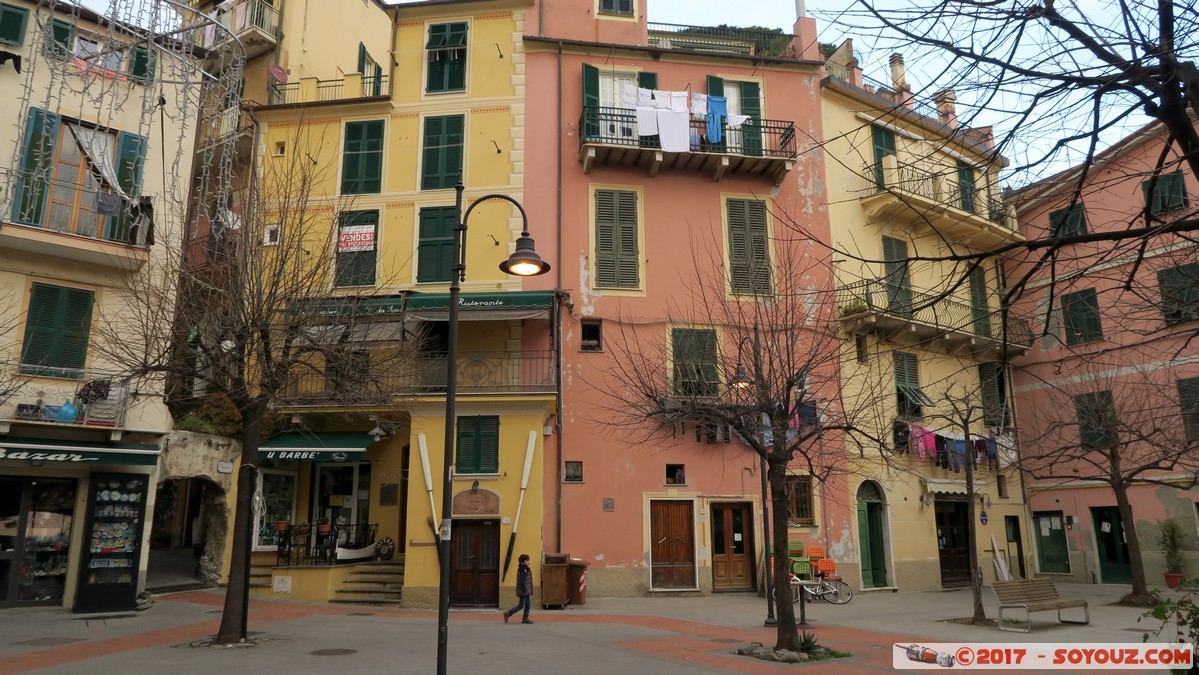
(647, 224)
(1114, 373)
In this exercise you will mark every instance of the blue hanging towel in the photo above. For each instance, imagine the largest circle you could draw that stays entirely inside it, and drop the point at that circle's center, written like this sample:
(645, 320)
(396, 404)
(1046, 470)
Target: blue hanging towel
(717, 111)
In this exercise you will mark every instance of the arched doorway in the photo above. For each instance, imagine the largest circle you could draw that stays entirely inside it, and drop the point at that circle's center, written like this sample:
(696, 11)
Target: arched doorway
(871, 535)
(189, 529)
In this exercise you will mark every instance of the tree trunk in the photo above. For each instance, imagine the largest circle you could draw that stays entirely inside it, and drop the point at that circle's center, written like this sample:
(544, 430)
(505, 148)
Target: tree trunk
(233, 627)
(784, 610)
(976, 582)
(1139, 585)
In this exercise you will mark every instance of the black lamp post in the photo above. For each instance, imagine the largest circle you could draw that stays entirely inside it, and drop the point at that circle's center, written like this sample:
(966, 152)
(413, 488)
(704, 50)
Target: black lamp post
(524, 262)
(742, 381)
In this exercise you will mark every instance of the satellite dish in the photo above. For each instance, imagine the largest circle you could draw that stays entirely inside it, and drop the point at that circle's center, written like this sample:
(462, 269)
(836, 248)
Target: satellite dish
(278, 73)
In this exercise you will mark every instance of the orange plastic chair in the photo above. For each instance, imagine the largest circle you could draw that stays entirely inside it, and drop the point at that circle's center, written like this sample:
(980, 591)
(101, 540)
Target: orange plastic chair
(815, 552)
(827, 566)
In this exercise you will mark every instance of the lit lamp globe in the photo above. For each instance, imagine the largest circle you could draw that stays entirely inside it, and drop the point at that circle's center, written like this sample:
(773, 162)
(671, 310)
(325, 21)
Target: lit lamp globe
(524, 261)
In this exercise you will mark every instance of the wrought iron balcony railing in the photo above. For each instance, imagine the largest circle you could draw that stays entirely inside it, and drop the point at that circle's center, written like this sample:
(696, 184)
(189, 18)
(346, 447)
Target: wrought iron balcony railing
(723, 39)
(897, 300)
(903, 179)
(240, 19)
(479, 372)
(755, 138)
(312, 90)
(98, 398)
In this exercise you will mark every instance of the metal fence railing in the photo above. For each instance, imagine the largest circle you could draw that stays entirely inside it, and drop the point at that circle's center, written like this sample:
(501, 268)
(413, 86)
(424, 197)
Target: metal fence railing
(723, 39)
(932, 309)
(100, 398)
(242, 17)
(941, 187)
(327, 90)
(755, 138)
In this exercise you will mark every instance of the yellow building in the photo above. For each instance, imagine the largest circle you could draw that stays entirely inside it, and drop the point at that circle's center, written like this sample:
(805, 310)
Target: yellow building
(923, 352)
(389, 144)
(99, 118)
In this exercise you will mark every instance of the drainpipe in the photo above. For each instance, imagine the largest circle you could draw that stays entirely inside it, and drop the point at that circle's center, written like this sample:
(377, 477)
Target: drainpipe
(558, 284)
(391, 67)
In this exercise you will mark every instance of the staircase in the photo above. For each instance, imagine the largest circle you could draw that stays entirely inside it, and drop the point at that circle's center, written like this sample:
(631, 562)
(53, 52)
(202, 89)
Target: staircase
(260, 572)
(373, 583)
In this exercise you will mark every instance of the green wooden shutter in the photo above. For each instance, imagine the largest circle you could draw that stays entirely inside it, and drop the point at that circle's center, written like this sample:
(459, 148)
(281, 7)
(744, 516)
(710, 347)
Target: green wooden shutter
(1068, 222)
(864, 547)
(1188, 398)
(1096, 414)
(357, 268)
(749, 250)
(362, 158)
(1177, 195)
(362, 59)
(467, 458)
(131, 156)
(57, 327)
(456, 66)
(37, 159)
(478, 445)
(616, 248)
(12, 24)
(695, 361)
(966, 185)
(489, 444)
(1081, 313)
(898, 278)
(1169, 193)
(751, 131)
(981, 315)
(647, 80)
(442, 154)
(377, 89)
(591, 103)
(883, 141)
(435, 69)
(435, 256)
(61, 39)
(715, 86)
(141, 64)
(1179, 288)
(989, 384)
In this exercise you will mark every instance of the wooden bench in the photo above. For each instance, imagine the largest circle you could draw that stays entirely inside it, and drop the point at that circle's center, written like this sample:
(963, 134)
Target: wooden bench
(1034, 595)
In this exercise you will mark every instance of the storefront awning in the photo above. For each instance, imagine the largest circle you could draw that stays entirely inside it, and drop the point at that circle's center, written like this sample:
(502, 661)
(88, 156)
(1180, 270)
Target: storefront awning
(481, 306)
(76, 452)
(326, 447)
(951, 487)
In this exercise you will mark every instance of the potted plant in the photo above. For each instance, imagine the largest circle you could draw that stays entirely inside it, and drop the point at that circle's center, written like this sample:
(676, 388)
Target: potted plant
(281, 525)
(303, 528)
(854, 306)
(1170, 541)
(322, 526)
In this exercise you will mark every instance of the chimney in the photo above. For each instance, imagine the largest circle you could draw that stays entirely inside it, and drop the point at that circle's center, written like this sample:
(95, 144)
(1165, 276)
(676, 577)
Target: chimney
(899, 81)
(946, 107)
(799, 9)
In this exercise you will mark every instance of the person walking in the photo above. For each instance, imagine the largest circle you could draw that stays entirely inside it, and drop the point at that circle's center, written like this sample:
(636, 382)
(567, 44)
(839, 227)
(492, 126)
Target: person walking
(524, 589)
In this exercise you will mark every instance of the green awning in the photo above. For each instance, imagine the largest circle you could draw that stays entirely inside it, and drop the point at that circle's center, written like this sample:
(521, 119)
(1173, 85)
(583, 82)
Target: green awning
(77, 452)
(324, 447)
(481, 306)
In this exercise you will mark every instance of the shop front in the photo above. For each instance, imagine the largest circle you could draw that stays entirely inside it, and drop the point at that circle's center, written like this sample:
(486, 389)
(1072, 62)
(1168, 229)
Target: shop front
(72, 522)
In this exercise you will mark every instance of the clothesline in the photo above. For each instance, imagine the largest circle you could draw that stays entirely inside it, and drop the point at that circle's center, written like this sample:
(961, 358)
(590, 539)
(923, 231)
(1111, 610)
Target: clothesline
(667, 115)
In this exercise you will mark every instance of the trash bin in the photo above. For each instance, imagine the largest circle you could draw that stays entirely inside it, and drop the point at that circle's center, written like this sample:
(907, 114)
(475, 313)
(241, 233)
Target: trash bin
(553, 580)
(576, 578)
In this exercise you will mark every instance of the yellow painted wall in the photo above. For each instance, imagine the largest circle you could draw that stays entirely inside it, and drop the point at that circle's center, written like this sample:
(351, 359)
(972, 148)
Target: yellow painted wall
(320, 37)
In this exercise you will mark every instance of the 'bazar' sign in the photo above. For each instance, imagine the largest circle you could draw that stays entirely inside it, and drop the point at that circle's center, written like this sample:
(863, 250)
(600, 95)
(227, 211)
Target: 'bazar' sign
(46, 456)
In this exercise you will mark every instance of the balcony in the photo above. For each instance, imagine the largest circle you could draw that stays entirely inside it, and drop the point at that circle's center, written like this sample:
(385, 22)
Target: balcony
(84, 223)
(608, 137)
(481, 372)
(255, 23)
(723, 40)
(313, 90)
(223, 124)
(896, 308)
(100, 398)
(912, 194)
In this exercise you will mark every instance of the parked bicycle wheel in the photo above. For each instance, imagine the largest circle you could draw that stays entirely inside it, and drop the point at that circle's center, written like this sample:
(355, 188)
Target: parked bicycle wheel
(837, 592)
(795, 591)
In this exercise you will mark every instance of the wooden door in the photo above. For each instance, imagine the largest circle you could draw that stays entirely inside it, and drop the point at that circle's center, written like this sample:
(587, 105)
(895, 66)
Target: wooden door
(1114, 565)
(952, 543)
(1052, 555)
(732, 547)
(870, 534)
(475, 563)
(672, 544)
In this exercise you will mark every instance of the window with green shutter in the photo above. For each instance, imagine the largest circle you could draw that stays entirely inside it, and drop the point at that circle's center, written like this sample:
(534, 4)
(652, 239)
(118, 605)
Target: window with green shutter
(749, 249)
(478, 445)
(966, 186)
(1080, 314)
(446, 55)
(1179, 287)
(696, 366)
(1096, 413)
(12, 24)
(435, 252)
(980, 313)
(37, 160)
(141, 64)
(897, 277)
(442, 152)
(616, 263)
(992, 382)
(60, 39)
(57, 327)
(1169, 193)
(356, 246)
(131, 158)
(883, 141)
(362, 158)
(1188, 398)
(1069, 222)
(910, 398)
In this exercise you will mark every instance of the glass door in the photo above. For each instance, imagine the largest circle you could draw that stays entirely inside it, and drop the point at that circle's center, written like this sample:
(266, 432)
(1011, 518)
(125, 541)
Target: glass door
(279, 501)
(11, 492)
(343, 496)
(47, 541)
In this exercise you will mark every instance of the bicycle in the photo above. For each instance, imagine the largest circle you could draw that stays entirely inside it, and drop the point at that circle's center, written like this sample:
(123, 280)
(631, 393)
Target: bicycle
(830, 589)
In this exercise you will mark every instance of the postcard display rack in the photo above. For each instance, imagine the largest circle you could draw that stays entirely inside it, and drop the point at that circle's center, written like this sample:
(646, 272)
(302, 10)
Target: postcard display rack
(116, 509)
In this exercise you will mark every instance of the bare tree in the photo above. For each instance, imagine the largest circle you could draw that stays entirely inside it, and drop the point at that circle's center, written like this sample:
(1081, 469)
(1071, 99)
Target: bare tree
(1115, 423)
(260, 323)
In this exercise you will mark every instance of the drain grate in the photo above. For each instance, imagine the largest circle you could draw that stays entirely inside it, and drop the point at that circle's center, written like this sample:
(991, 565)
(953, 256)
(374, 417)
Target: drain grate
(724, 641)
(361, 614)
(49, 641)
(333, 652)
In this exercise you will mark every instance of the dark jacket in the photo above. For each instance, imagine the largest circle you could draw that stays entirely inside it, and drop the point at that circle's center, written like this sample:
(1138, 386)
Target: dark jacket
(524, 581)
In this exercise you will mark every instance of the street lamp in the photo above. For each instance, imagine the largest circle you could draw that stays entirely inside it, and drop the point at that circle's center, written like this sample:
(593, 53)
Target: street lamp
(741, 380)
(524, 262)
